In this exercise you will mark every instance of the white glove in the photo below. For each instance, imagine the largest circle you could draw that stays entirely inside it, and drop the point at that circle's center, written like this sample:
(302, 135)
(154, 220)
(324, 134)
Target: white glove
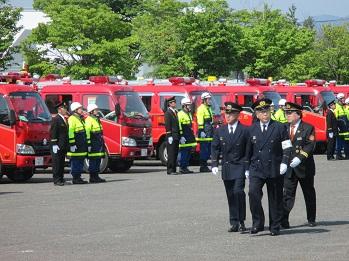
(170, 140)
(215, 171)
(330, 135)
(247, 173)
(295, 162)
(89, 148)
(283, 168)
(202, 135)
(73, 148)
(55, 149)
(182, 140)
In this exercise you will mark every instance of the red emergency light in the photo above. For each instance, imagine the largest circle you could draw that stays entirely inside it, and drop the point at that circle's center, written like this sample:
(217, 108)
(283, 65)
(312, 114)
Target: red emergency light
(315, 82)
(258, 81)
(99, 79)
(50, 77)
(181, 80)
(332, 83)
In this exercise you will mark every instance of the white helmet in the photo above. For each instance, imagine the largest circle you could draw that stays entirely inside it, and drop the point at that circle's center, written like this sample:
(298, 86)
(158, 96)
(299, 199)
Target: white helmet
(91, 107)
(340, 95)
(346, 101)
(282, 102)
(75, 105)
(206, 95)
(185, 101)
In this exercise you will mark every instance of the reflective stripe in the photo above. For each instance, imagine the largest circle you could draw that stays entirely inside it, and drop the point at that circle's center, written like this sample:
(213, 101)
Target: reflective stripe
(204, 139)
(96, 154)
(188, 145)
(54, 140)
(302, 152)
(76, 154)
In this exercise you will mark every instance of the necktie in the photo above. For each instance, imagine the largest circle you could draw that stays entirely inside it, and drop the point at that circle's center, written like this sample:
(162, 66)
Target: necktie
(230, 129)
(264, 128)
(292, 132)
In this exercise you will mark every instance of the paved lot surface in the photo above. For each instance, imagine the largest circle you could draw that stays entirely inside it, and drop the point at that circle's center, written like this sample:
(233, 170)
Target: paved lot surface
(147, 215)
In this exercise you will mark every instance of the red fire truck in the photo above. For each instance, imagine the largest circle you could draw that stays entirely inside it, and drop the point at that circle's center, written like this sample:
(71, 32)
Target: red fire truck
(339, 88)
(24, 130)
(154, 94)
(125, 120)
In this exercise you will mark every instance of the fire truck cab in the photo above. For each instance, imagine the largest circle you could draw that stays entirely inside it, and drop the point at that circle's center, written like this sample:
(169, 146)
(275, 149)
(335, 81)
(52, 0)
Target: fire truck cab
(338, 88)
(154, 94)
(24, 129)
(125, 120)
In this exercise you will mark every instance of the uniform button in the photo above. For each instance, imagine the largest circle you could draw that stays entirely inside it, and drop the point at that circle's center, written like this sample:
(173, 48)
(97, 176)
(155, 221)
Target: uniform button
(260, 151)
(258, 160)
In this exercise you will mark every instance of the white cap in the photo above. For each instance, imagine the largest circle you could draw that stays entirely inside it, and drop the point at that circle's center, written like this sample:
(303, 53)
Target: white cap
(340, 95)
(282, 102)
(205, 95)
(75, 105)
(346, 101)
(185, 101)
(91, 107)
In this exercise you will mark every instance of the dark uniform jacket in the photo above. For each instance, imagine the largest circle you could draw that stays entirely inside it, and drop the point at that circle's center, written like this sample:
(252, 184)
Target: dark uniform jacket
(171, 124)
(264, 150)
(232, 146)
(331, 123)
(303, 145)
(59, 133)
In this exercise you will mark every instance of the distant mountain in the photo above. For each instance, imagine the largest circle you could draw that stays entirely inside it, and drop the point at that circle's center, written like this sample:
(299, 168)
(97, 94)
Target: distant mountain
(321, 20)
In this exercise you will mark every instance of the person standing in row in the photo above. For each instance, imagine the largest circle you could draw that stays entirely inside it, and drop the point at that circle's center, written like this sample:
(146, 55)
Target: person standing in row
(172, 136)
(230, 140)
(343, 127)
(59, 143)
(280, 115)
(302, 166)
(204, 118)
(332, 130)
(96, 147)
(268, 151)
(77, 142)
(187, 140)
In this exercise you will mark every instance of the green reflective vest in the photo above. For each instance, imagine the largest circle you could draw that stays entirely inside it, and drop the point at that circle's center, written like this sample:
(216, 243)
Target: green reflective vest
(185, 121)
(280, 116)
(204, 118)
(94, 133)
(77, 136)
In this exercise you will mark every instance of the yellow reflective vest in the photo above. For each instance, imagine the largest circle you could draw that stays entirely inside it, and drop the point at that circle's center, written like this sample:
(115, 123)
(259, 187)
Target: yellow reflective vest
(94, 133)
(280, 116)
(77, 136)
(204, 118)
(185, 121)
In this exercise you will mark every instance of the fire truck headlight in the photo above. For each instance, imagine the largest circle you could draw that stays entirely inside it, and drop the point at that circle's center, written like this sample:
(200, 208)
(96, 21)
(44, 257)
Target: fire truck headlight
(128, 142)
(24, 149)
(151, 141)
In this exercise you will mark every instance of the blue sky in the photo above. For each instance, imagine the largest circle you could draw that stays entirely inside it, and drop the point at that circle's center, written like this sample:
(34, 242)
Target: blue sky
(305, 8)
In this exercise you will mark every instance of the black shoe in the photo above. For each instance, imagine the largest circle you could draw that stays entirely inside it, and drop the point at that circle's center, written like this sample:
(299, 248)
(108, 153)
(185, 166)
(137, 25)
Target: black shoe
(185, 171)
(79, 181)
(59, 183)
(275, 233)
(331, 158)
(234, 228)
(97, 180)
(255, 230)
(173, 173)
(242, 227)
(339, 157)
(205, 169)
(312, 224)
(285, 224)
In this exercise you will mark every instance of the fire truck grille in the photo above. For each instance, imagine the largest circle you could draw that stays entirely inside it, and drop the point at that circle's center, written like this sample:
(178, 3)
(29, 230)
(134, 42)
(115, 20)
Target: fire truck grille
(142, 142)
(41, 150)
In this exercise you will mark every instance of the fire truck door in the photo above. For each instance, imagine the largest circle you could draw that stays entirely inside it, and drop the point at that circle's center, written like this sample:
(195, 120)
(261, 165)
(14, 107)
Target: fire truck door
(7, 133)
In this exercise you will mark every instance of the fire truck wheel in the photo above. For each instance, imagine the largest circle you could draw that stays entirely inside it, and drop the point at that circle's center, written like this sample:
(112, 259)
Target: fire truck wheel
(163, 153)
(1, 176)
(20, 175)
(102, 168)
(120, 165)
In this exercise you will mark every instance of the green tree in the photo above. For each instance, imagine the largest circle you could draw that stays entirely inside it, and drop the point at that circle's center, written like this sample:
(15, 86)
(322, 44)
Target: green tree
(83, 38)
(197, 38)
(9, 16)
(270, 41)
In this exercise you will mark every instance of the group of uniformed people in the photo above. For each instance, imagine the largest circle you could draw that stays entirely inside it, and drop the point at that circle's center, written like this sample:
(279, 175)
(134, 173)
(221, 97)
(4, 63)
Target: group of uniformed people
(77, 138)
(180, 135)
(279, 155)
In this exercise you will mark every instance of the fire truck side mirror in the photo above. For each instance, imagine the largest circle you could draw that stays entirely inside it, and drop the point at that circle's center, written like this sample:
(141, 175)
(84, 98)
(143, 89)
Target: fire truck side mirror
(117, 110)
(12, 117)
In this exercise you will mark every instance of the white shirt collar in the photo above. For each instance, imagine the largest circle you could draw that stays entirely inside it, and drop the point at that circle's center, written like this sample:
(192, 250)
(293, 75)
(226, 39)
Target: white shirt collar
(296, 125)
(62, 117)
(233, 126)
(266, 124)
(174, 110)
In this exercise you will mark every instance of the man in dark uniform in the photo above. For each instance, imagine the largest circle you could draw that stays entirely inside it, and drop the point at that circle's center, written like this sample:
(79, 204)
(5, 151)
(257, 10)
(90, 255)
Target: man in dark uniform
(268, 151)
(172, 136)
(230, 139)
(332, 130)
(302, 165)
(59, 143)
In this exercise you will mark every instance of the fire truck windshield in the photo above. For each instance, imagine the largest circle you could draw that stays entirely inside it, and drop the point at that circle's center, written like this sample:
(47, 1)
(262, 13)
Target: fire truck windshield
(326, 97)
(29, 107)
(274, 96)
(131, 105)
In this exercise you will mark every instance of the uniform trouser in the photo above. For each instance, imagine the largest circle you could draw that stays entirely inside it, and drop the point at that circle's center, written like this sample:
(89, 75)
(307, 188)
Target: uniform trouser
(172, 154)
(76, 167)
(236, 200)
(342, 144)
(94, 164)
(184, 157)
(274, 188)
(205, 152)
(290, 188)
(331, 146)
(58, 161)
